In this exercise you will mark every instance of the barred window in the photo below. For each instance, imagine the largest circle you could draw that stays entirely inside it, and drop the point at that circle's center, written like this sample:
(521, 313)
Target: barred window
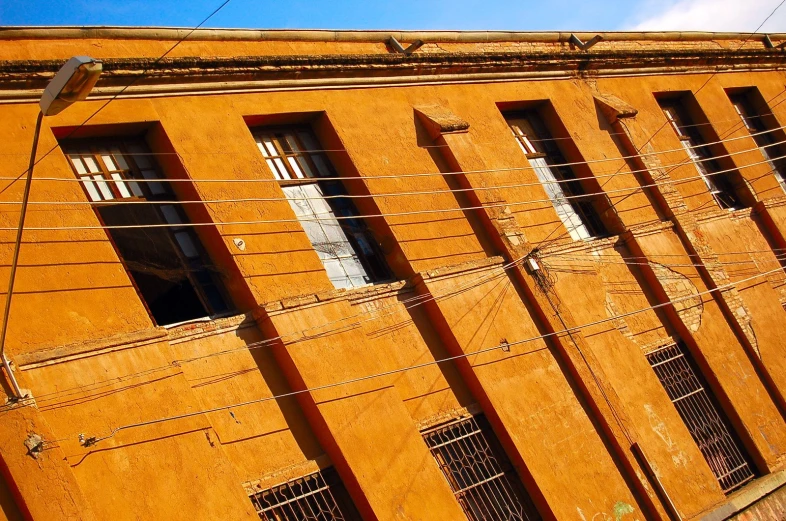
(575, 208)
(702, 416)
(169, 267)
(720, 185)
(319, 497)
(478, 471)
(348, 250)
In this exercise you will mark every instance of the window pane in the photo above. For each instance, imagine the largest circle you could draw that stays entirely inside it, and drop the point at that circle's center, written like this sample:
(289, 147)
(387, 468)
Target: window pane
(91, 188)
(76, 160)
(326, 235)
(170, 269)
(140, 155)
(187, 246)
(119, 159)
(121, 186)
(109, 161)
(171, 216)
(92, 166)
(105, 191)
(155, 188)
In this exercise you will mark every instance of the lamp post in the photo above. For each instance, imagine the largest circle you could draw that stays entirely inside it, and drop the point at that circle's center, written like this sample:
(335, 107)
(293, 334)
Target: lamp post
(72, 83)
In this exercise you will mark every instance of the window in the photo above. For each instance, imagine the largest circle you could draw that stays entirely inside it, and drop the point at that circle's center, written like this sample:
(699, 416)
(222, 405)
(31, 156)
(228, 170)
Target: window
(720, 185)
(478, 471)
(168, 265)
(575, 208)
(756, 124)
(702, 416)
(347, 248)
(318, 497)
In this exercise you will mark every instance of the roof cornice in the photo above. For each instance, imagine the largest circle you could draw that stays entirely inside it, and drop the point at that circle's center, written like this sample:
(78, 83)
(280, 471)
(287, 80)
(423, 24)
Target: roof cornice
(23, 80)
(318, 35)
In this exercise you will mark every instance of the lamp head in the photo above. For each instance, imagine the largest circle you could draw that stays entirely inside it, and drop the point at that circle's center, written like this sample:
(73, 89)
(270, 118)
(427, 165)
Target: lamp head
(73, 82)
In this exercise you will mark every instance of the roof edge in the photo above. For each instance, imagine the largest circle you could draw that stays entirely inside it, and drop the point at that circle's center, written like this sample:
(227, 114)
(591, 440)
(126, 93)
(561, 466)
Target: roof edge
(325, 35)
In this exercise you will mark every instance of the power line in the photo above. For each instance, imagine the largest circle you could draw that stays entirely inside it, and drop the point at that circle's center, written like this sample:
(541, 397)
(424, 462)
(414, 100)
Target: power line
(397, 214)
(340, 150)
(121, 91)
(439, 174)
(362, 196)
(374, 313)
(90, 441)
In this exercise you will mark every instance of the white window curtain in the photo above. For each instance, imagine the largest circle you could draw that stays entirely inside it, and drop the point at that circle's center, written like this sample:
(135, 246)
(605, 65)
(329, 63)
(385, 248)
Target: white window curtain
(326, 235)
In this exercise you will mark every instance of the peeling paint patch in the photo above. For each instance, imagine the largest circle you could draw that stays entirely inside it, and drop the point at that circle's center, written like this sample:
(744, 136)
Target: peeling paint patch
(622, 509)
(677, 286)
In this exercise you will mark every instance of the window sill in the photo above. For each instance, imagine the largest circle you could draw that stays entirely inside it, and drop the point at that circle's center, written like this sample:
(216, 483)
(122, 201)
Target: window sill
(746, 496)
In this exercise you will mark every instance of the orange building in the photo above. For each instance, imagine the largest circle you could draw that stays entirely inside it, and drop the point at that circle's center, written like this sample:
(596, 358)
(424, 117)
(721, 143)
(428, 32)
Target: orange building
(301, 275)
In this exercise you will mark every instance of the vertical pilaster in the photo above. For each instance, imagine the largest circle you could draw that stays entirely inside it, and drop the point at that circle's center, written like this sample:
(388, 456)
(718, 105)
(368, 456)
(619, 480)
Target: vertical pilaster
(551, 316)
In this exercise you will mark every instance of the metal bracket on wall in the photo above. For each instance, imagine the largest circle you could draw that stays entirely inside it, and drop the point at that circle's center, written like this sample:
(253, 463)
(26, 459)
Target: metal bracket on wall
(396, 46)
(769, 45)
(575, 40)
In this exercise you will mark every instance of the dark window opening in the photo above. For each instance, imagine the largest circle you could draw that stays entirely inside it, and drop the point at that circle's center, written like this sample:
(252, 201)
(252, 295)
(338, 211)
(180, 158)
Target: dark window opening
(479, 472)
(702, 415)
(762, 132)
(720, 185)
(349, 251)
(316, 497)
(577, 209)
(170, 269)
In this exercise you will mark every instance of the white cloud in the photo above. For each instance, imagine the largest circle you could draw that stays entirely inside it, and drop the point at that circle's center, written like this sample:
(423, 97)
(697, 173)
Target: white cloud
(709, 15)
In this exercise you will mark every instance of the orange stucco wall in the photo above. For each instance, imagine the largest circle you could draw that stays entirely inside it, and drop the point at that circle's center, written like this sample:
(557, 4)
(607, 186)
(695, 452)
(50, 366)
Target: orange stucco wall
(566, 408)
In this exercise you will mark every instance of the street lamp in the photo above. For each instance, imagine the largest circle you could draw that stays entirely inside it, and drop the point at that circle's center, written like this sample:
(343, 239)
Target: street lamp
(72, 83)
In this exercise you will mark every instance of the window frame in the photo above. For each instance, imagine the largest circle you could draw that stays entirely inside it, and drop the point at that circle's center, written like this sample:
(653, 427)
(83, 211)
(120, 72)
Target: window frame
(702, 157)
(569, 186)
(333, 192)
(745, 109)
(158, 200)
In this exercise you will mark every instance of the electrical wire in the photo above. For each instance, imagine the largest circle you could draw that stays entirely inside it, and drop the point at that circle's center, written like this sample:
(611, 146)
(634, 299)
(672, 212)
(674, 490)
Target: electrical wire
(344, 150)
(375, 313)
(395, 214)
(439, 174)
(121, 91)
(91, 441)
(95, 440)
(375, 195)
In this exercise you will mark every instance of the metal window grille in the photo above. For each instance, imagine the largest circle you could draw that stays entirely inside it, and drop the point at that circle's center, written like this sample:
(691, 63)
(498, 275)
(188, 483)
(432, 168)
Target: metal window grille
(705, 421)
(318, 497)
(480, 475)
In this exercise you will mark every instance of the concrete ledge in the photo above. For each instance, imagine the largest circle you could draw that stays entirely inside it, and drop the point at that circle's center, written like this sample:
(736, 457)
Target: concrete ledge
(747, 496)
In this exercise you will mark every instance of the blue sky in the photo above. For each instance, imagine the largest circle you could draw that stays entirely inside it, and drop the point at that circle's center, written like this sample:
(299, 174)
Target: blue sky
(517, 15)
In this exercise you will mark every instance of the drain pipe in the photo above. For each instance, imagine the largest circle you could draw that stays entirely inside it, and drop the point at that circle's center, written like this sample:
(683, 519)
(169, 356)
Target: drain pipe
(15, 261)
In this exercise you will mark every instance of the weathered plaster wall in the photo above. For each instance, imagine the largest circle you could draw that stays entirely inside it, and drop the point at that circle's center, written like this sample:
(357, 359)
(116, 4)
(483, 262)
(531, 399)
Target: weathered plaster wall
(85, 346)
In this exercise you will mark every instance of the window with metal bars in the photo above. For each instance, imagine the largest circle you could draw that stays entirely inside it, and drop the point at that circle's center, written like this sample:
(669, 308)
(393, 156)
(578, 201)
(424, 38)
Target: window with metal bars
(756, 123)
(575, 208)
(348, 250)
(478, 471)
(168, 265)
(720, 185)
(702, 416)
(319, 497)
